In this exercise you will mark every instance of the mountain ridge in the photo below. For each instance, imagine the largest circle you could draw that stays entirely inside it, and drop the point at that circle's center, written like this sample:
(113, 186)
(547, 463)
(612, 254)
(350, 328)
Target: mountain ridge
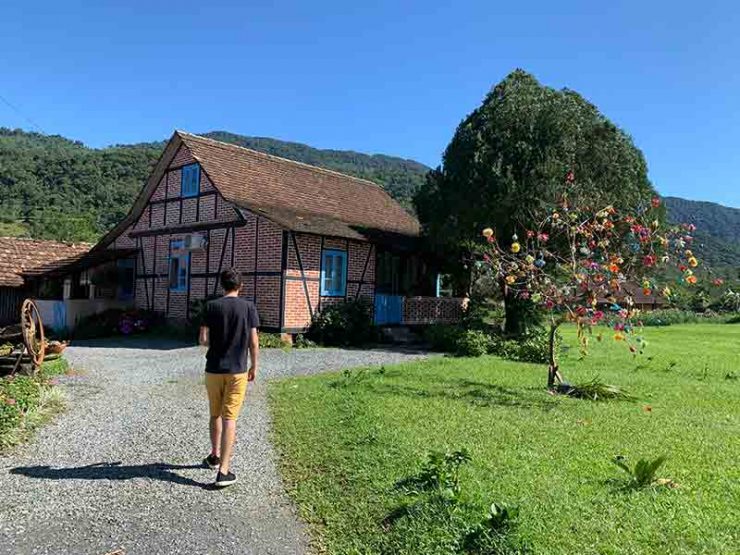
(59, 188)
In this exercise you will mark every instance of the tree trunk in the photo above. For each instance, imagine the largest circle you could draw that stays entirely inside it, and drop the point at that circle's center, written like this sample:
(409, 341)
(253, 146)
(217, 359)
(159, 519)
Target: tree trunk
(515, 323)
(552, 371)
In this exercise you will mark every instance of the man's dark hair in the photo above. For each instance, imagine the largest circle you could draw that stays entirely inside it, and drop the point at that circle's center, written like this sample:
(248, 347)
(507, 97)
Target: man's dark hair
(231, 279)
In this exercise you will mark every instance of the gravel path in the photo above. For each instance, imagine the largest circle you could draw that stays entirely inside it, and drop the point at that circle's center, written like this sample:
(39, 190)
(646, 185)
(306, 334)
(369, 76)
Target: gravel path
(120, 469)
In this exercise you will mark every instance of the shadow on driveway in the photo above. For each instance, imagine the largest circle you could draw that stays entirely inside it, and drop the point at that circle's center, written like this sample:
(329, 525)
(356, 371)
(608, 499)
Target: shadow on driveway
(114, 471)
(135, 342)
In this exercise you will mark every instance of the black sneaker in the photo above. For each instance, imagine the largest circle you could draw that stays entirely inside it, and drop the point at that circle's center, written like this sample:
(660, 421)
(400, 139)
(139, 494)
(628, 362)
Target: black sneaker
(212, 461)
(223, 480)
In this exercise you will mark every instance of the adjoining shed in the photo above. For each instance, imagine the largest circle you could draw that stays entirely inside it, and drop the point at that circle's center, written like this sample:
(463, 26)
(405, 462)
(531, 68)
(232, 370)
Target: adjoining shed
(303, 238)
(22, 258)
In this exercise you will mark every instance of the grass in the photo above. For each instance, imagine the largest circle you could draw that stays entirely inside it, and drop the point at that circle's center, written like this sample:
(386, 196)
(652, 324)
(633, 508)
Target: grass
(28, 402)
(347, 439)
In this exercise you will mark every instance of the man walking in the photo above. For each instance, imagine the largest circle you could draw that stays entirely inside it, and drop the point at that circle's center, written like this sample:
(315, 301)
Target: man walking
(229, 329)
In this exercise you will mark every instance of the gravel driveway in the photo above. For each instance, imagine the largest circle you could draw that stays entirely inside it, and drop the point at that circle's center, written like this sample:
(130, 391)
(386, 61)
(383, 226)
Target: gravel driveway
(120, 469)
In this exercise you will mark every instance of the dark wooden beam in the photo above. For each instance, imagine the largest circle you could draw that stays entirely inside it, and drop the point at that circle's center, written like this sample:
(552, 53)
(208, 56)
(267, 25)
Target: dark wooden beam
(303, 274)
(364, 271)
(283, 266)
(186, 228)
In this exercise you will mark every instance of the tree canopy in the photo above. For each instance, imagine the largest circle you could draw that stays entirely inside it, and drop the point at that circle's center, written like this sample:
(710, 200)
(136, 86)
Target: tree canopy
(508, 159)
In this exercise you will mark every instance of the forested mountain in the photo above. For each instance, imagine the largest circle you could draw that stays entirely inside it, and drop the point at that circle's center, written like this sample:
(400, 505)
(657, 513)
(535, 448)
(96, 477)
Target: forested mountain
(717, 228)
(55, 188)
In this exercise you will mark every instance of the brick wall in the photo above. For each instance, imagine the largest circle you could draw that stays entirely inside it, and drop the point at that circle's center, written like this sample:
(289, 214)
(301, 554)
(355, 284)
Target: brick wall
(255, 248)
(431, 310)
(360, 276)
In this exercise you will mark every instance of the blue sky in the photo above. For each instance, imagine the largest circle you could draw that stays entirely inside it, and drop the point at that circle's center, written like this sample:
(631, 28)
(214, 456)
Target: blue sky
(388, 77)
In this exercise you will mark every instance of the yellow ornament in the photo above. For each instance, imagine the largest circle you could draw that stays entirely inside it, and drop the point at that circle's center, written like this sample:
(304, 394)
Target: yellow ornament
(529, 259)
(515, 247)
(693, 262)
(488, 232)
(510, 279)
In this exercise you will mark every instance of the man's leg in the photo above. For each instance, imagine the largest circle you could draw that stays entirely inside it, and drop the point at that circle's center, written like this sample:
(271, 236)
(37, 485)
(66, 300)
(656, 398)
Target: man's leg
(236, 389)
(227, 444)
(216, 427)
(215, 385)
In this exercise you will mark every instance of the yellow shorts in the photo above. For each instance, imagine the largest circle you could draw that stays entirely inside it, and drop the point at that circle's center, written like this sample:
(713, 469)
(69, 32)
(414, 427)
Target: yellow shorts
(226, 394)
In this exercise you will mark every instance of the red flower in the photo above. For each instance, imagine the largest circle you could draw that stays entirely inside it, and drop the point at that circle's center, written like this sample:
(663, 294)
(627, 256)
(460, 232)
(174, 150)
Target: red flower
(571, 177)
(649, 260)
(655, 202)
(718, 281)
(543, 237)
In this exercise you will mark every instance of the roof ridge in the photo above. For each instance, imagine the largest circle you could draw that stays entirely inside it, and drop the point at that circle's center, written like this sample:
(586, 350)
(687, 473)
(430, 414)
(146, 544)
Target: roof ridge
(280, 158)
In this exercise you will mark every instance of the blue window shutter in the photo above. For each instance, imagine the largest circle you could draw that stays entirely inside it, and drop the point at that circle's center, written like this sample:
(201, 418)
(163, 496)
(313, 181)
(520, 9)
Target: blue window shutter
(190, 180)
(333, 273)
(178, 267)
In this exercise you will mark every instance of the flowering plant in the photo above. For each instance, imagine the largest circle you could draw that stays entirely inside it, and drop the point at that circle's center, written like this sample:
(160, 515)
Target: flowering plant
(581, 262)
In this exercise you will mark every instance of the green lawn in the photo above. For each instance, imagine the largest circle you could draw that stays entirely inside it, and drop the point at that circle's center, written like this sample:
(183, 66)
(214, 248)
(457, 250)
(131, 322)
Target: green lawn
(346, 440)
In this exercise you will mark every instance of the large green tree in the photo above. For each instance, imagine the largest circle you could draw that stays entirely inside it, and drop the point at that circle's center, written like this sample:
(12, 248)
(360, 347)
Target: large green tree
(508, 160)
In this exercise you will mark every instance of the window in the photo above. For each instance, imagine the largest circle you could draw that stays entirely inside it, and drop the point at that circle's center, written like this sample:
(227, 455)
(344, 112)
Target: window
(125, 269)
(333, 273)
(178, 273)
(190, 184)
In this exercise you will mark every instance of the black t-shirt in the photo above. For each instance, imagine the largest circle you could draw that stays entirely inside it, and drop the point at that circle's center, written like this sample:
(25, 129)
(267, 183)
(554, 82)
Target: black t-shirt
(229, 321)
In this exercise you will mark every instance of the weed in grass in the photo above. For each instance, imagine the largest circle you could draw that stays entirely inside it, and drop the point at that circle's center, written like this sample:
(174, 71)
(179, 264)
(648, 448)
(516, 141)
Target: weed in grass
(643, 474)
(350, 377)
(492, 535)
(731, 376)
(596, 390)
(670, 366)
(440, 473)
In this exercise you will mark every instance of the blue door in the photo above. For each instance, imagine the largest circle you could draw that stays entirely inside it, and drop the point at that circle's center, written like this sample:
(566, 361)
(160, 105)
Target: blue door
(388, 309)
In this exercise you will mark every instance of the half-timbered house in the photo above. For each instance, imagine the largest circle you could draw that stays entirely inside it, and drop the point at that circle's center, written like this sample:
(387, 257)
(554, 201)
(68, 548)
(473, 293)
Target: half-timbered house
(303, 238)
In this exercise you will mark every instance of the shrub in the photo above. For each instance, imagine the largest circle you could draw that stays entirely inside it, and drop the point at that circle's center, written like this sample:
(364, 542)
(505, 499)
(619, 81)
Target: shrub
(473, 343)
(671, 316)
(343, 324)
(20, 399)
(442, 337)
(534, 346)
(272, 341)
(302, 342)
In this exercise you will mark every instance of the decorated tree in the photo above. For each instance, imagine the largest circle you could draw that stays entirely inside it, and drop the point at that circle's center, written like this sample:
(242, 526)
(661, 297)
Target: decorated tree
(578, 261)
(506, 162)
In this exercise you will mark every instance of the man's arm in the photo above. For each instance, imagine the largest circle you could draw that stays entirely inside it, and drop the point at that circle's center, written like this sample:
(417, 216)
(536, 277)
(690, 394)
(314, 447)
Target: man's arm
(254, 353)
(203, 336)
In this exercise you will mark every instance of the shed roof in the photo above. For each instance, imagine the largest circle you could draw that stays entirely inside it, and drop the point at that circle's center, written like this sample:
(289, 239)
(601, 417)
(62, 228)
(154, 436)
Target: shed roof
(20, 256)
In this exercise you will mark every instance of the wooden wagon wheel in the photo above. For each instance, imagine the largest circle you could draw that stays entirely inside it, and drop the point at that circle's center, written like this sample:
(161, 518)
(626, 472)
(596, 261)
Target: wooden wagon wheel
(32, 329)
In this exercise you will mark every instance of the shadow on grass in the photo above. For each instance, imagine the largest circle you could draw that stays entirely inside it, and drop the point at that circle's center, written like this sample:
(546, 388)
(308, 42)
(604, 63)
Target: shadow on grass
(114, 471)
(468, 391)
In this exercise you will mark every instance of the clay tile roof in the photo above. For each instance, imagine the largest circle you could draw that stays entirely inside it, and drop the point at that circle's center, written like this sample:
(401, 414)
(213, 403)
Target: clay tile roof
(299, 196)
(33, 256)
